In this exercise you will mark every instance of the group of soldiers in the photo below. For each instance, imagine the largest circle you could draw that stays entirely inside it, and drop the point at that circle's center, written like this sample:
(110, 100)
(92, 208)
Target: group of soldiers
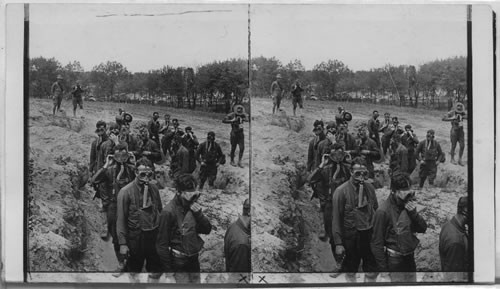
(144, 232)
(278, 92)
(57, 93)
(382, 238)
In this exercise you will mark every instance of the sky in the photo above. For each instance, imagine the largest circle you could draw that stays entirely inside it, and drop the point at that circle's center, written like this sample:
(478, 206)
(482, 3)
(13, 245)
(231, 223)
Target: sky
(361, 36)
(177, 35)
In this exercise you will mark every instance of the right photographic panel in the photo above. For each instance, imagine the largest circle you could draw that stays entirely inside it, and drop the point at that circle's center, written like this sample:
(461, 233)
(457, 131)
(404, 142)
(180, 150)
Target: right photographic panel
(361, 163)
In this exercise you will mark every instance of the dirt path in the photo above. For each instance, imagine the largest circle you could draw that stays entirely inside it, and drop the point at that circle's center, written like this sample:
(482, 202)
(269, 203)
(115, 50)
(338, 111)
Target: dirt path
(279, 154)
(65, 221)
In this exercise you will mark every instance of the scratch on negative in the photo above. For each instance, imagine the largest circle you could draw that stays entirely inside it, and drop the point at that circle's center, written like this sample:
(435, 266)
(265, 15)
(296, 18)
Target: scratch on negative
(163, 14)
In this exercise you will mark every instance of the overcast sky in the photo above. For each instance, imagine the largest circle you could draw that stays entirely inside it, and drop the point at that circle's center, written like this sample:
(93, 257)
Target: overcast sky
(178, 35)
(361, 36)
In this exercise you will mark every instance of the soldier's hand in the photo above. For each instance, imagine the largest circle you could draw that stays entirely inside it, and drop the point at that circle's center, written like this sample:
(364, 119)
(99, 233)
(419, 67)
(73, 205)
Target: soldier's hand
(411, 206)
(124, 250)
(339, 250)
(195, 208)
(365, 152)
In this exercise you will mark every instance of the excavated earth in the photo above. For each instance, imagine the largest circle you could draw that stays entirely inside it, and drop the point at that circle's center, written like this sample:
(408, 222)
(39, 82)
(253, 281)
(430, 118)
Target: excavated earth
(286, 223)
(64, 221)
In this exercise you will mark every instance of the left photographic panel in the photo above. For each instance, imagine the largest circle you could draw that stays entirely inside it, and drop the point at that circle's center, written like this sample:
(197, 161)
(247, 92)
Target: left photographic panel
(136, 123)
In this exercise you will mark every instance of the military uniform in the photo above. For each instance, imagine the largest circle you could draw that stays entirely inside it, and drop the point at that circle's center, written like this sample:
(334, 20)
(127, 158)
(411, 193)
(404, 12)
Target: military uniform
(154, 129)
(237, 250)
(297, 96)
(318, 146)
(57, 91)
(431, 153)
(373, 155)
(181, 162)
(457, 134)
(453, 247)
(276, 93)
(399, 160)
(410, 142)
(210, 154)
(151, 146)
(77, 97)
(373, 127)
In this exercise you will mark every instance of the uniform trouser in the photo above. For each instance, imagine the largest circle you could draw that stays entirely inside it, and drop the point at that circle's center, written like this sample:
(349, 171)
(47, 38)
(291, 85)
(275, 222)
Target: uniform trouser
(412, 161)
(376, 139)
(357, 249)
(237, 139)
(77, 101)
(402, 268)
(142, 248)
(297, 101)
(111, 213)
(386, 142)
(428, 169)
(57, 101)
(327, 217)
(208, 171)
(457, 135)
(187, 270)
(277, 100)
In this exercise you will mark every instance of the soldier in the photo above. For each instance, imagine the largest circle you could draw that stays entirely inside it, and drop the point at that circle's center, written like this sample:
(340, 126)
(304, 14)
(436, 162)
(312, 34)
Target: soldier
(166, 125)
(236, 119)
(395, 223)
(128, 139)
(386, 132)
(147, 147)
(154, 128)
(453, 241)
(191, 143)
(99, 151)
(118, 171)
(366, 148)
(209, 155)
(318, 146)
(343, 136)
(120, 117)
(333, 171)
(429, 153)
(277, 92)
(57, 91)
(399, 156)
(354, 204)
(181, 221)
(237, 243)
(168, 136)
(296, 96)
(457, 131)
(138, 215)
(180, 164)
(373, 128)
(340, 117)
(77, 97)
(410, 141)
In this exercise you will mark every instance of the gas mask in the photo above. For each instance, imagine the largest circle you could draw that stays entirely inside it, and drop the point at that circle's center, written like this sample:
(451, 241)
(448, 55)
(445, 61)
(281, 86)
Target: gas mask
(144, 174)
(337, 156)
(405, 196)
(121, 156)
(190, 196)
(359, 173)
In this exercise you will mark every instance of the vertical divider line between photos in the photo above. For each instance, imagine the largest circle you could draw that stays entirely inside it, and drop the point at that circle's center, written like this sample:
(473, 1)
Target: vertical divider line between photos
(26, 137)
(494, 29)
(469, 146)
(250, 153)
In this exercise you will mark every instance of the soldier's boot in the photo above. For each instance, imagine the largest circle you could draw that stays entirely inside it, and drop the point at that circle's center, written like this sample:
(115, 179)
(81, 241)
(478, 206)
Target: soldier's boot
(233, 163)
(452, 160)
(371, 277)
(460, 161)
(154, 277)
(120, 269)
(104, 232)
(239, 163)
(350, 277)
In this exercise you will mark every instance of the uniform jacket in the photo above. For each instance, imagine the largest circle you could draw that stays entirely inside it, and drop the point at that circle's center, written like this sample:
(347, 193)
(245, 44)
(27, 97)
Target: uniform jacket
(324, 178)
(113, 180)
(181, 162)
(132, 218)
(317, 148)
(151, 146)
(99, 150)
(453, 247)
(57, 89)
(409, 141)
(236, 121)
(237, 248)
(428, 152)
(373, 127)
(457, 119)
(209, 156)
(276, 88)
(367, 144)
(180, 239)
(347, 218)
(153, 128)
(399, 159)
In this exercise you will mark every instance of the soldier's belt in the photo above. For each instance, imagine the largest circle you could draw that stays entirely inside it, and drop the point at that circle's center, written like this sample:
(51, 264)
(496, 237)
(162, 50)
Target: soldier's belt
(179, 254)
(394, 253)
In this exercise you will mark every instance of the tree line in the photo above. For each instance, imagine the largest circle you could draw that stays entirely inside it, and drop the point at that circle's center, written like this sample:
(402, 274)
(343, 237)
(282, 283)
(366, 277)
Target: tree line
(401, 85)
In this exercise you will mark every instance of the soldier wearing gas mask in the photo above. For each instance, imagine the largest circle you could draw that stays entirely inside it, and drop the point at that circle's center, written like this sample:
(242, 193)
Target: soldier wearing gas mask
(410, 141)
(333, 171)
(343, 136)
(354, 204)
(368, 149)
(154, 128)
(138, 215)
(429, 154)
(181, 222)
(394, 226)
(117, 172)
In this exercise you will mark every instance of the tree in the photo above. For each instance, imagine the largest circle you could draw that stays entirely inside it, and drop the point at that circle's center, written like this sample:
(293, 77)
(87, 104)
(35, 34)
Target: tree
(106, 76)
(328, 74)
(42, 74)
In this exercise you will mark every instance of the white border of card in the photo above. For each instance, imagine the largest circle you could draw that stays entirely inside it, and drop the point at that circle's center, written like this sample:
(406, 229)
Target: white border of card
(12, 159)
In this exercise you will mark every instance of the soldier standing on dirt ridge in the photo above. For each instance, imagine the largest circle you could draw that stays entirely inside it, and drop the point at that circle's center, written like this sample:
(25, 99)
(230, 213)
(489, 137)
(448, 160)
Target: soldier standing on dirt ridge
(181, 221)
(237, 137)
(394, 226)
(297, 96)
(210, 156)
(457, 131)
(118, 171)
(57, 91)
(77, 97)
(138, 216)
(354, 205)
(429, 153)
(237, 249)
(277, 92)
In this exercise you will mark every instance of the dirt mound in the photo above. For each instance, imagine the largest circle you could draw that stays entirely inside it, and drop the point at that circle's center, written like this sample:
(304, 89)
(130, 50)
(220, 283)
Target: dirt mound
(295, 124)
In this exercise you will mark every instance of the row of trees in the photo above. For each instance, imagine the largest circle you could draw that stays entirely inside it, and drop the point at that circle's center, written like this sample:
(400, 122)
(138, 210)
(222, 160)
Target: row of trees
(333, 79)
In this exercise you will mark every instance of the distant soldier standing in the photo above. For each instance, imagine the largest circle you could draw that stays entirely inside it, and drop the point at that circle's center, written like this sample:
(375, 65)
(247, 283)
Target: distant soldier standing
(429, 153)
(277, 92)
(210, 155)
(457, 131)
(180, 164)
(410, 141)
(57, 91)
(236, 119)
(373, 128)
(237, 250)
(297, 96)
(77, 97)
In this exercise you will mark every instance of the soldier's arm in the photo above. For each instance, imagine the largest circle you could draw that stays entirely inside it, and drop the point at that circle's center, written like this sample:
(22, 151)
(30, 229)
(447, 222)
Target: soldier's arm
(203, 225)
(418, 223)
(163, 240)
(449, 116)
(338, 202)
(121, 217)
(404, 160)
(229, 118)
(219, 154)
(377, 244)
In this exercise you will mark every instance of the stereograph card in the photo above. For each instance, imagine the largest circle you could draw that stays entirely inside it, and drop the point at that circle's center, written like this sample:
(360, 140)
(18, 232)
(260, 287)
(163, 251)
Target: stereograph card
(248, 144)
